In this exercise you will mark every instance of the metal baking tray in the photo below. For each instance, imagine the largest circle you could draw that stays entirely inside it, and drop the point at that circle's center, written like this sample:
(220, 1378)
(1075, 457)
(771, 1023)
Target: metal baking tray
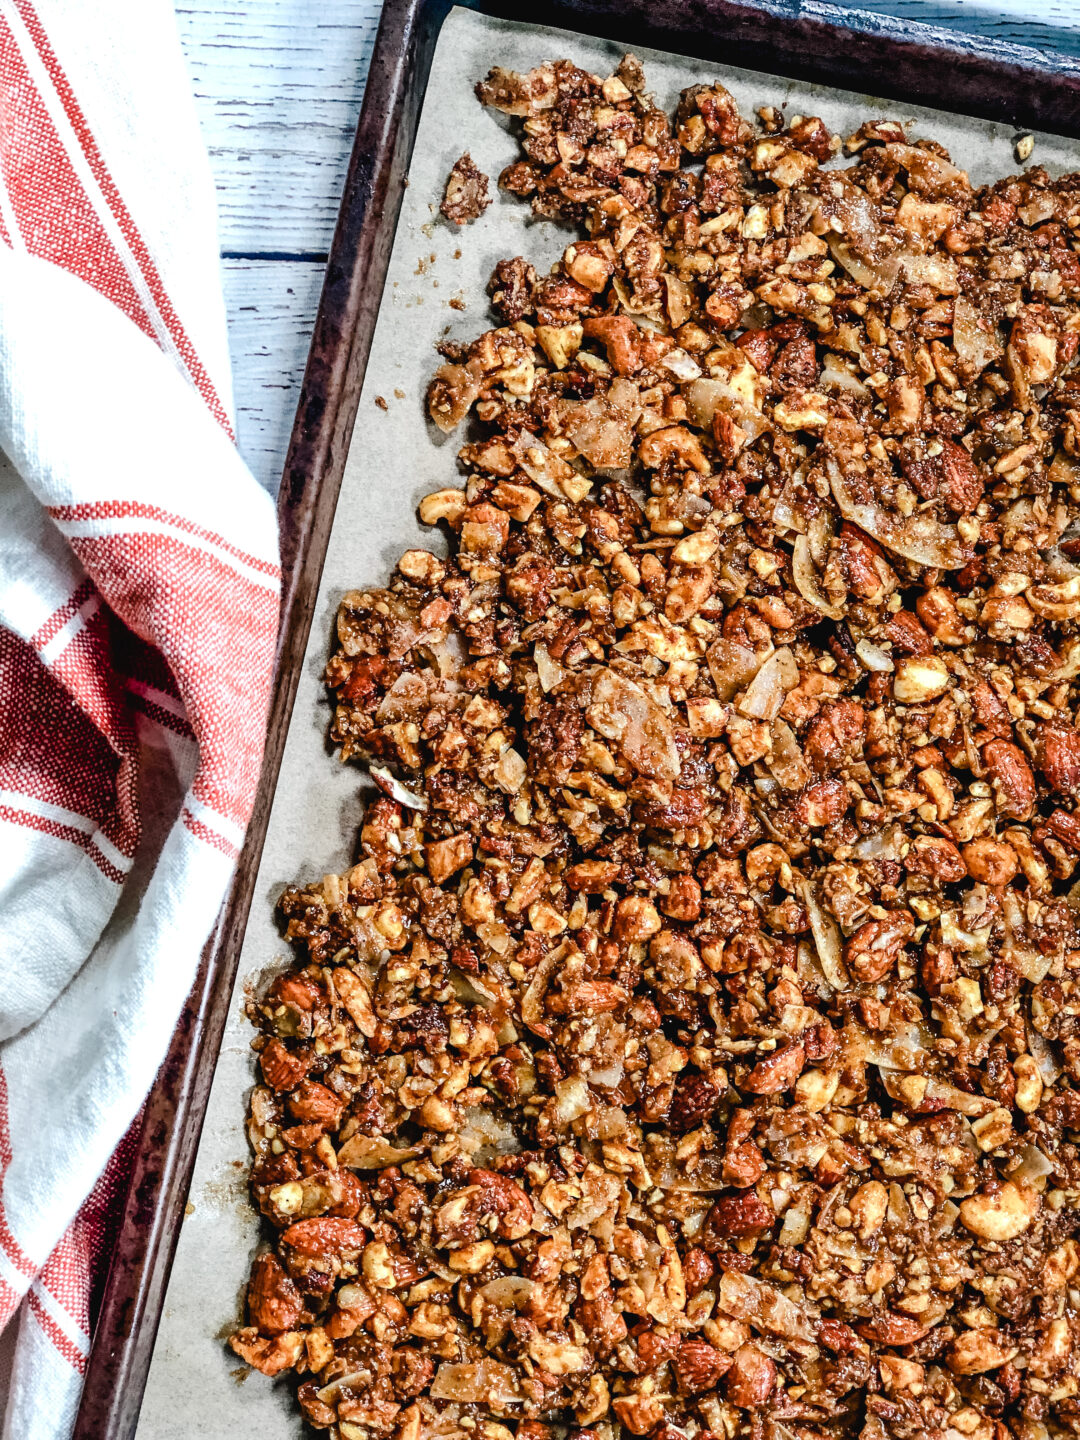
(791, 45)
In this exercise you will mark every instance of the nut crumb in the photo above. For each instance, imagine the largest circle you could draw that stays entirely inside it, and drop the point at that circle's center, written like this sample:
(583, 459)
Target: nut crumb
(1024, 146)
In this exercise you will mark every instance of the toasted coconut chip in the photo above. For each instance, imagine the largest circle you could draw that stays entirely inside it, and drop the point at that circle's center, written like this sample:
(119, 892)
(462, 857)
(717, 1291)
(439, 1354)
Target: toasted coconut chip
(364, 1152)
(620, 711)
(763, 1306)
(390, 785)
(826, 935)
(765, 693)
(806, 581)
(916, 537)
(479, 1382)
(732, 667)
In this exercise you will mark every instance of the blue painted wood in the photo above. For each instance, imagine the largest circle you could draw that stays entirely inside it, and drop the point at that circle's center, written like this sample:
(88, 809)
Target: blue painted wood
(279, 84)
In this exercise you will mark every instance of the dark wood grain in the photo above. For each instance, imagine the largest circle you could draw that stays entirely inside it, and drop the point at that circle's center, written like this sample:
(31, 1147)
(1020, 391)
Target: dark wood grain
(809, 41)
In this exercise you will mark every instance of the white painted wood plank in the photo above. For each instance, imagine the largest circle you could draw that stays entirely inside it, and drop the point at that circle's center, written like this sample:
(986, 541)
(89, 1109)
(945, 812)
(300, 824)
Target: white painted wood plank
(278, 84)
(271, 307)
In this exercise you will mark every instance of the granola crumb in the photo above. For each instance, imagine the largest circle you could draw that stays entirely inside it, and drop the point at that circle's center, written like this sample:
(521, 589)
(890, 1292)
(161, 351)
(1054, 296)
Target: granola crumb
(380, 401)
(1024, 146)
(466, 196)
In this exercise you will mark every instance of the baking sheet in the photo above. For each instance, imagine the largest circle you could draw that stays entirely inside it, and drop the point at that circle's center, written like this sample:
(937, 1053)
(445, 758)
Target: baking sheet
(436, 288)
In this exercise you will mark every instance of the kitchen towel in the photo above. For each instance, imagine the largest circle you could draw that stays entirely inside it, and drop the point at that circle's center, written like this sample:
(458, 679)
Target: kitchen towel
(138, 618)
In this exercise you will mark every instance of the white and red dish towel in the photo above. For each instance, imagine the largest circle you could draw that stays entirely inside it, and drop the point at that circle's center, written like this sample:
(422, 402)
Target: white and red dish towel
(138, 618)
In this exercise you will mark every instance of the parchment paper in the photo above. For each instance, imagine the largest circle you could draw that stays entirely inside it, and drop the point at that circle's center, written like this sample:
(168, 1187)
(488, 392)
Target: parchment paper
(197, 1387)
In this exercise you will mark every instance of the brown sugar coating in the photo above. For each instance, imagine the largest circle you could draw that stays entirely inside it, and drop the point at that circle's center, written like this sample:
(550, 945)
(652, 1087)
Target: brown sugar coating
(693, 1050)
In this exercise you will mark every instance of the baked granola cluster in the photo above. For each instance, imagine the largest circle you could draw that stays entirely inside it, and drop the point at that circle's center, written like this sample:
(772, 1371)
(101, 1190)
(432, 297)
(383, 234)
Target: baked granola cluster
(466, 196)
(694, 1049)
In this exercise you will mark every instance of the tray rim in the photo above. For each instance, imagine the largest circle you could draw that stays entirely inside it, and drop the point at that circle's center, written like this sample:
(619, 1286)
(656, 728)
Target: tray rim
(799, 39)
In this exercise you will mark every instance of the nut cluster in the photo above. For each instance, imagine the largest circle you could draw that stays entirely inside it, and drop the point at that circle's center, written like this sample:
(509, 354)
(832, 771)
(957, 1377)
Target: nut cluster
(694, 1049)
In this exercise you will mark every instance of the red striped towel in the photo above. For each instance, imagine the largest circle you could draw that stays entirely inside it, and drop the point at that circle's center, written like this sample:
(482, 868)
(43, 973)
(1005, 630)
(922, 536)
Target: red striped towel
(138, 617)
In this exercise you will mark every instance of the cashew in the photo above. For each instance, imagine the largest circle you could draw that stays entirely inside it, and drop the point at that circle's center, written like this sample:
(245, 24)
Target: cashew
(803, 410)
(675, 443)
(897, 1374)
(588, 265)
(919, 678)
(287, 1198)
(621, 338)
(815, 1089)
(1000, 1214)
(992, 1130)
(471, 1259)
(421, 566)
(448, 505)
(1001, 615)
(560, 343)
(696, 548)
(869, 1206)
(1053, 1349)
(1056, 602)
(439, 1114)
(377, 1265)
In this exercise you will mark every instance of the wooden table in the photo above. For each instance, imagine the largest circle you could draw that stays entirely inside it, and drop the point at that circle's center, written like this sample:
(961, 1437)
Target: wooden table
(279, 85)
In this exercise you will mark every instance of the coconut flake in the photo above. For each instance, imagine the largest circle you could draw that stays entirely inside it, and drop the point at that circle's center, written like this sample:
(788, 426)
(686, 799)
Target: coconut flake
(744, 1297)
(1042, 1052)
(732, 667)
(878, 277)
(1033, 1166)
(835, 375)
(826, 935)
(916, 537)
(512, 1291)
(621, 712)
(785, 759)
(806, 581)
(571, 1099)
(365, 1152)
(766, 692)
(681, 364)
(548, 671)
(543, 467)
(477, 1382)
(390, 785)
(975, 338)
(532, 1002)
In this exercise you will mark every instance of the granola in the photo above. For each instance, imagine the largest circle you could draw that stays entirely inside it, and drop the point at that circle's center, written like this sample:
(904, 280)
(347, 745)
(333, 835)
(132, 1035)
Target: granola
(694, 1048)
(466, 196)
